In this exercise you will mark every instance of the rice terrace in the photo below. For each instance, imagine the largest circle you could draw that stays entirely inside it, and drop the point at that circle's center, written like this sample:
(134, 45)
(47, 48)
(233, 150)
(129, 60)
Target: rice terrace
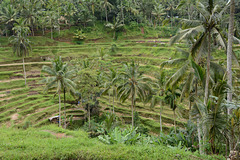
(120, 79)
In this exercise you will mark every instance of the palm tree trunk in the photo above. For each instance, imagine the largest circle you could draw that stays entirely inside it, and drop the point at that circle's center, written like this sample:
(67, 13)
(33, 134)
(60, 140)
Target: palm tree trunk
(89, 117)
(65, 116)
(106, 14)
(113, 99)
(174, 121)
(132, 112)
(51, 33)
(199, 136)
(109, 100)
(208, 69)
(59, 100)
(24, 72)
(229, 50)
(160, 118)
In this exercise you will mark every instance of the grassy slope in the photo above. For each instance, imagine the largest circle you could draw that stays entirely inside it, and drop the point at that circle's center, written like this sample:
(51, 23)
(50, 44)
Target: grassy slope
(38, 144)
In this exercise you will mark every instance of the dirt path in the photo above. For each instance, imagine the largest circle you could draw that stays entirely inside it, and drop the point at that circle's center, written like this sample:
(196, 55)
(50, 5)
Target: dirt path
(58, 135)
(14, 117)
(18, 64)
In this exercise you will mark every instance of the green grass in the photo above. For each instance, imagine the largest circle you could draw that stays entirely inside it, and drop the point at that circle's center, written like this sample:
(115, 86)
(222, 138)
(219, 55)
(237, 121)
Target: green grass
(37, 144)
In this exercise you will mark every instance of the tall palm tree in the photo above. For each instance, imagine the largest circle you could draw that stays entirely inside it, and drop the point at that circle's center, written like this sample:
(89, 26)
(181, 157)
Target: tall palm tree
(52, 21)
(205, 29)
(170, 98)
(157, 97)
(134, 85)
(60, 77)
(106, 5)
(21, 44)
(110, 84)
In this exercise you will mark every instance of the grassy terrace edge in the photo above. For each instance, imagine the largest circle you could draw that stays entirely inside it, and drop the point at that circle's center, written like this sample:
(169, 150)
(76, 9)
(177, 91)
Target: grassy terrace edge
(39, 143)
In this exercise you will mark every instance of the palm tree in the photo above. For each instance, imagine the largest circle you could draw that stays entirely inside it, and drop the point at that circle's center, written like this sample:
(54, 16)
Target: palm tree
(111, 80)
(8, 15)
(157, 97)
(115, 26)
(106, 5)
(60, 77)
(21, 44)
(52, 21)
(133, 85)
(205, 29)
(31, 10)
(170, 98)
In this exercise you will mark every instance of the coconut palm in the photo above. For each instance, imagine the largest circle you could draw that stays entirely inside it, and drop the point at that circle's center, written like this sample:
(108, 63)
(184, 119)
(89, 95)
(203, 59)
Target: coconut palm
(8, 15)
(107, 6)
(52, 21)
(157, 97)
(110, 84)
(21, 44)
(205, 29)
(134, 85)
(171, 98)
(60, 77)
(115, 26)
(30, 12)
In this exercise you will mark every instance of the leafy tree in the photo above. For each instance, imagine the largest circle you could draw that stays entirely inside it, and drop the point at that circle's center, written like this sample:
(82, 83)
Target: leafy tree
(60, 77)
(89, 87)
(134, 85)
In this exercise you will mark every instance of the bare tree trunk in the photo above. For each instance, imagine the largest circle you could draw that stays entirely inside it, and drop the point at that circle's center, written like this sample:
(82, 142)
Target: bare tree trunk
(113, 99)
(89, 117)
(199, 136)
(208, 69)
(132, 112)
(59, 100)
(174, 121)
(24, 72)
(65, 116)
(51, 33)
(160, 118)
(229, 49)
(106, 14)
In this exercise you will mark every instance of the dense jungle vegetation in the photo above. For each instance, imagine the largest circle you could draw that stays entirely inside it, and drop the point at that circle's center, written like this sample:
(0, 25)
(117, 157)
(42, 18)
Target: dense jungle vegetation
(119, 79)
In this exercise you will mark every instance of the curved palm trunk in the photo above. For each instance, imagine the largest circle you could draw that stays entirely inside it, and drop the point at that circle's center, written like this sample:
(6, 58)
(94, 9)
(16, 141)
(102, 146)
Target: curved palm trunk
(59, 100)
(208, 69)
(24, 72)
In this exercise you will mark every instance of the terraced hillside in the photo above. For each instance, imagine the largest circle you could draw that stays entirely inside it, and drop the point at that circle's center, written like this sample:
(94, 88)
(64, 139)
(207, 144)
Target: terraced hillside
(22, 105)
